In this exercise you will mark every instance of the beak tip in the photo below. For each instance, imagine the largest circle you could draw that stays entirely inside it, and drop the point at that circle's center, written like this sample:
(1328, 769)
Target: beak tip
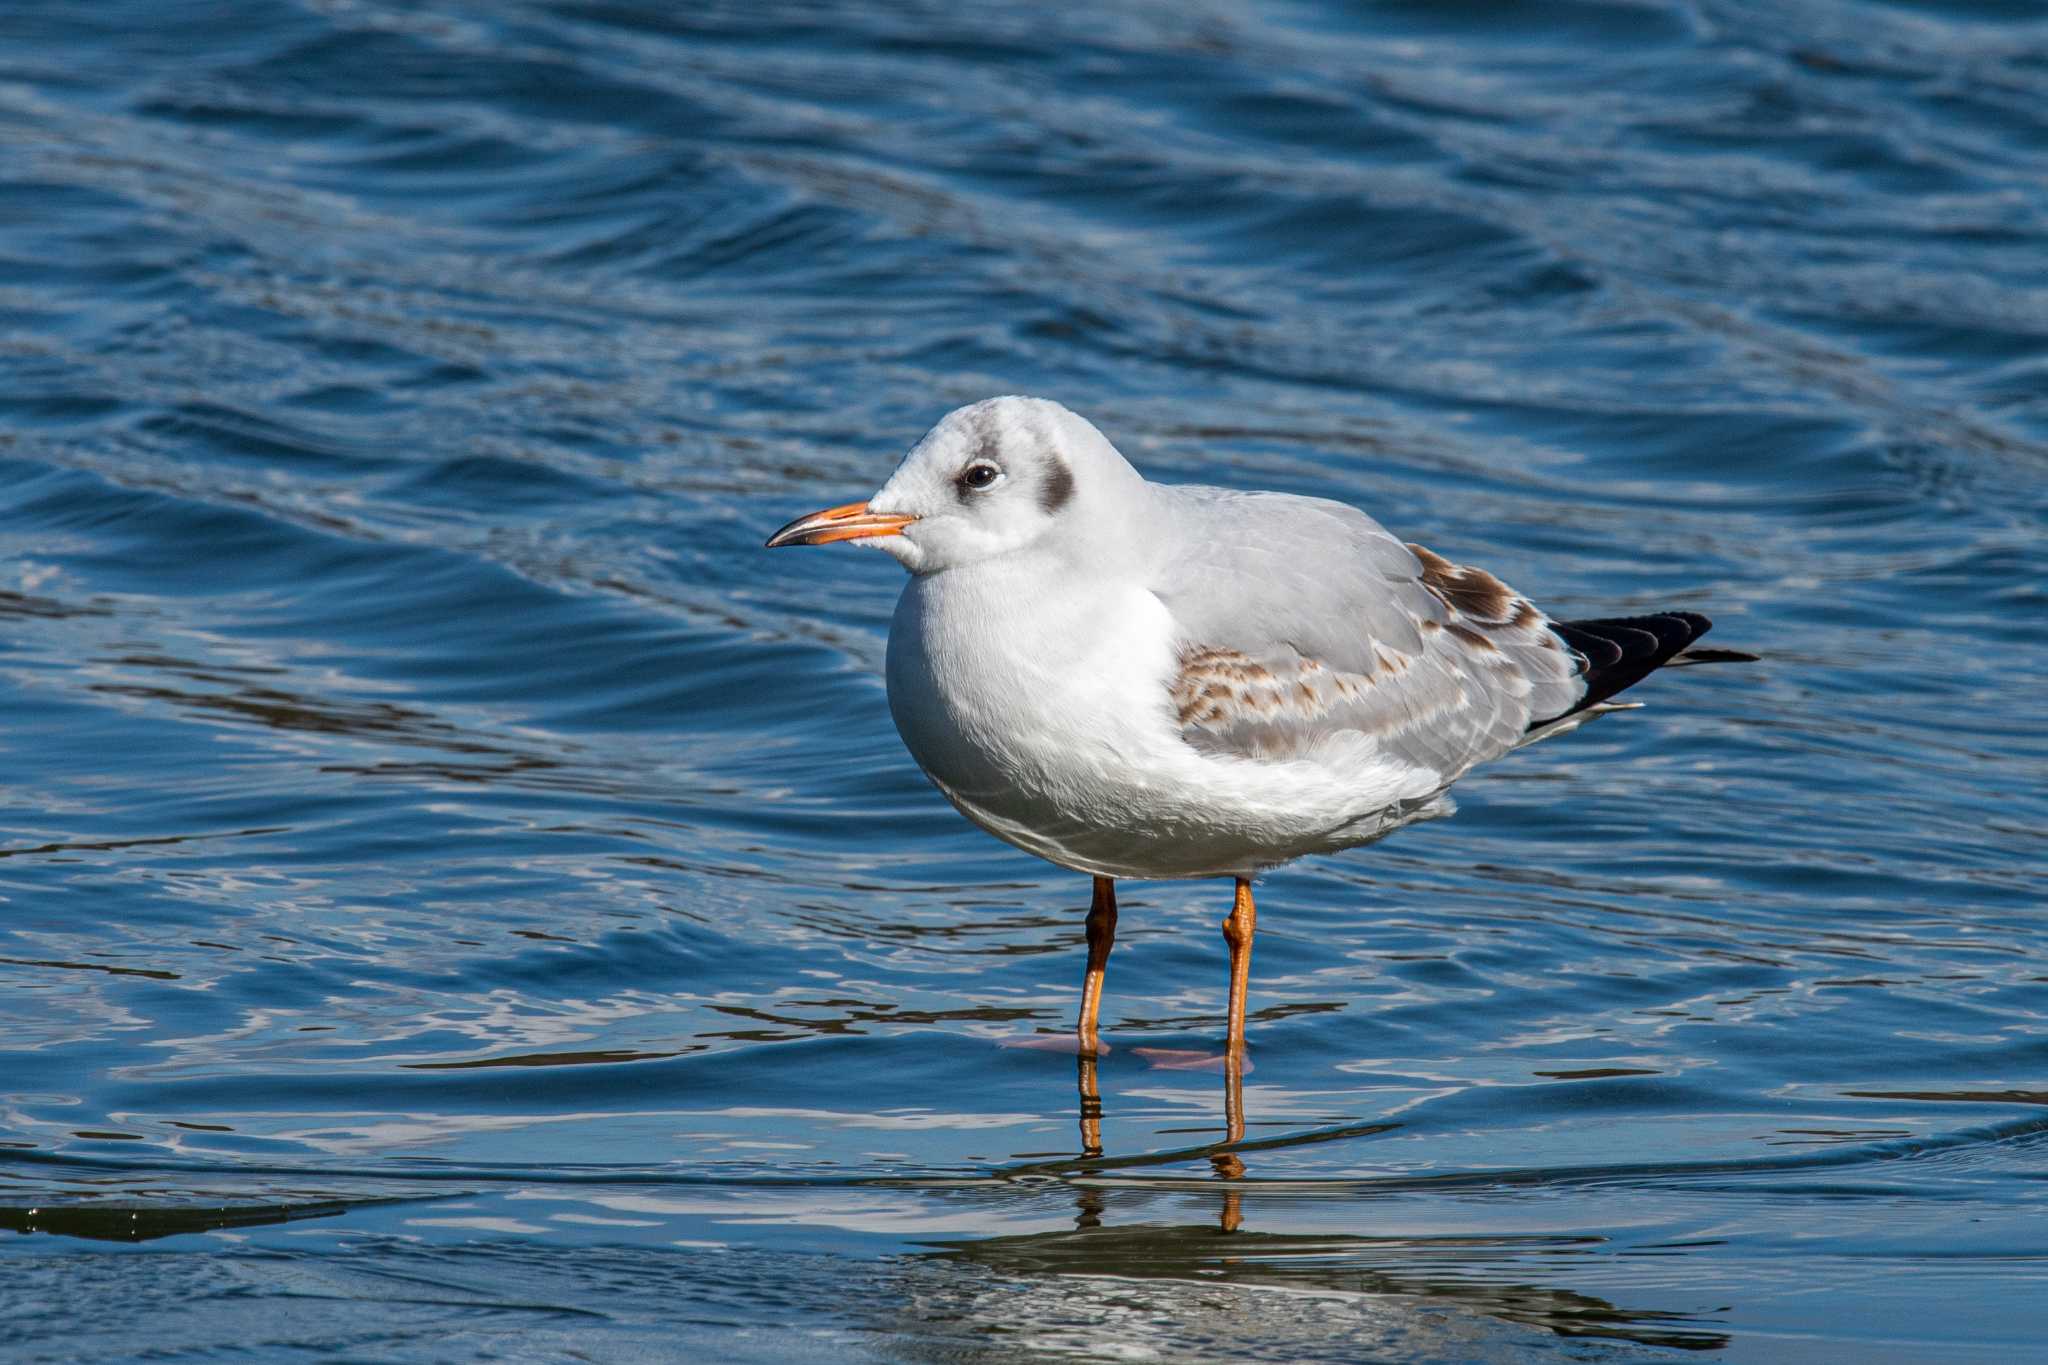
(852, 521)
(797, 532)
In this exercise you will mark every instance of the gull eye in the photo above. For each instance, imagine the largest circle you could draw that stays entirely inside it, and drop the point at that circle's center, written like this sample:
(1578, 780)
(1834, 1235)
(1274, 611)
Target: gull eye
(979, 475)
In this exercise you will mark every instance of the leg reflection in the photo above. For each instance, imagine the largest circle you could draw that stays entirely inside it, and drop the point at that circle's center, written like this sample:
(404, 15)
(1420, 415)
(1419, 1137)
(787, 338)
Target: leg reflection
(1091, 1107)
(1225, 1160)
(1088, 1206)
(1088, 1203)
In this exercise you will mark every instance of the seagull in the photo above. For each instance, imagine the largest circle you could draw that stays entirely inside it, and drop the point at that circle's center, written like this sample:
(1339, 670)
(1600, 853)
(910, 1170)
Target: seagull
(1146, 680)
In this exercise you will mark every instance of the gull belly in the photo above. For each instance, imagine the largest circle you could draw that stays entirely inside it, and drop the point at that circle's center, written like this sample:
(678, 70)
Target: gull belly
(1042, 709)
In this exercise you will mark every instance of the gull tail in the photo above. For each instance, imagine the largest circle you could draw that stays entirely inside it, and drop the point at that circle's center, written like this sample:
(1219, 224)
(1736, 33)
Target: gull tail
(1621, 651)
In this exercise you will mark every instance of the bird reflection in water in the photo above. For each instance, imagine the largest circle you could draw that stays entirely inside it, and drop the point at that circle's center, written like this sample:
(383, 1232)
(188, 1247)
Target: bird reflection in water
(1223, 1156)
(1406, 1267)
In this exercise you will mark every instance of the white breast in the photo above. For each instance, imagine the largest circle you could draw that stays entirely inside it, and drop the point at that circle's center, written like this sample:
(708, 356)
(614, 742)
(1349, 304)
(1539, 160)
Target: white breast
(1004, 686)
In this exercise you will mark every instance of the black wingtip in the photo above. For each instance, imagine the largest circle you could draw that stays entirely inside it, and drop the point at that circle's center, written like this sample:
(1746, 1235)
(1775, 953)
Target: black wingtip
(1621, 651)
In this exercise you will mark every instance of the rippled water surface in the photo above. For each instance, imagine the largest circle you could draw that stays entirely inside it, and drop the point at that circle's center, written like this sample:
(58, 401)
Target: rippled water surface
(459, 896)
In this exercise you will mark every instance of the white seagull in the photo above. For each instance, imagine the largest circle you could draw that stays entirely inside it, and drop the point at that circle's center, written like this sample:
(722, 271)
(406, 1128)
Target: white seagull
(1136, 679)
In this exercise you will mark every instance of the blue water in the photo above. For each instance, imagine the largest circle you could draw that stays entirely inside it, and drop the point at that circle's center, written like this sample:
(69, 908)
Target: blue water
(461, 898)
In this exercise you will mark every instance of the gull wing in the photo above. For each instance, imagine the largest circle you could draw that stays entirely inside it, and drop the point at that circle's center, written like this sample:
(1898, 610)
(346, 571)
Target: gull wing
(1304, 626)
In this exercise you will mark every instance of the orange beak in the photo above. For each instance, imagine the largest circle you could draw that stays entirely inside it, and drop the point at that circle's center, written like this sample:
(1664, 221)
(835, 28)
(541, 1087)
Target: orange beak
(851, 522)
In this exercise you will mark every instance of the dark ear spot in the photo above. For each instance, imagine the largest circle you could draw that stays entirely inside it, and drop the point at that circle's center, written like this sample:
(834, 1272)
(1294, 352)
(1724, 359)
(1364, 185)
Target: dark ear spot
(1059, 486)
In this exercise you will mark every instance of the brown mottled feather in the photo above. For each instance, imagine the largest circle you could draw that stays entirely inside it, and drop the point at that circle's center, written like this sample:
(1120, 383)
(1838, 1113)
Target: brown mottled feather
(1484, 659)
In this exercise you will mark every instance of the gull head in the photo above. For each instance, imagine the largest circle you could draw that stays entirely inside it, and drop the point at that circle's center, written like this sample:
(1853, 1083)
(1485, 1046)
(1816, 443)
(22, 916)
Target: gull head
(991, 479)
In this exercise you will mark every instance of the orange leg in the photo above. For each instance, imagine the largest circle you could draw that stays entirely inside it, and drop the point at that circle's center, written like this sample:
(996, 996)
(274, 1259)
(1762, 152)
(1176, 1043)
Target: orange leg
(1237, 932)
(1101, 937)
(1233, 1100)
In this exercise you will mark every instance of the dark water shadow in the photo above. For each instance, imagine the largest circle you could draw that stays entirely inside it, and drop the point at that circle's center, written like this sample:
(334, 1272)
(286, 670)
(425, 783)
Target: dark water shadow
(133, 1222)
